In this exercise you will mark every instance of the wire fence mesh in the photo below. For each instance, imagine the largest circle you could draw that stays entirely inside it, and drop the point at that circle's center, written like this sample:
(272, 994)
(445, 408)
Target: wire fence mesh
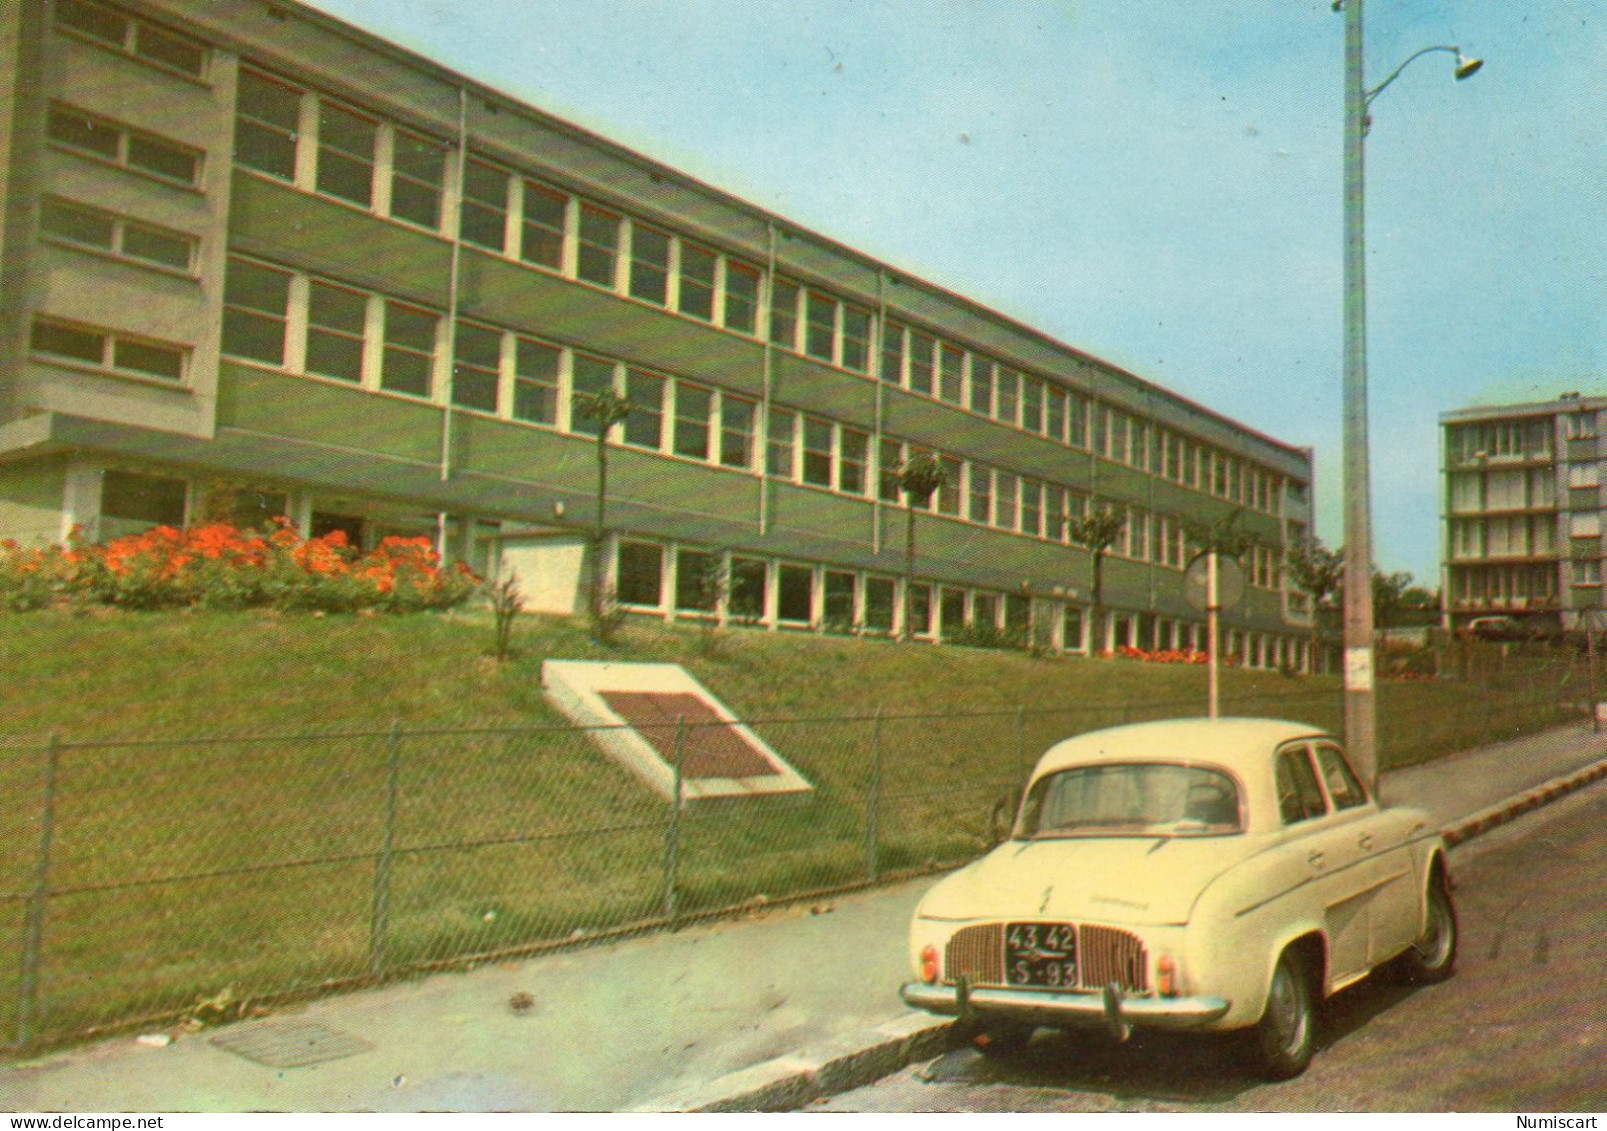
(145, 882)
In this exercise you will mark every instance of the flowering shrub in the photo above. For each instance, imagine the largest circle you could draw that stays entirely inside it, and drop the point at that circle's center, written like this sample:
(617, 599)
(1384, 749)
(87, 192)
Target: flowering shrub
(220, 566)
(1166, 655)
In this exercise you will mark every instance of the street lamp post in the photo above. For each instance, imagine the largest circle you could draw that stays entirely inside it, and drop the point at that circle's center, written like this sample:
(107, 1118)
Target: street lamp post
(1361, 714)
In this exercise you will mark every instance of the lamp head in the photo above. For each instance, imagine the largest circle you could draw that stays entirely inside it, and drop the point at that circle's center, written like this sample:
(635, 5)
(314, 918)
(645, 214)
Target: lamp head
(1465, 67)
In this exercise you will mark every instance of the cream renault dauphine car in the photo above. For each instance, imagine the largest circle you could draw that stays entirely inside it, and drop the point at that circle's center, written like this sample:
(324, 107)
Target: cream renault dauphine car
(1192, 874)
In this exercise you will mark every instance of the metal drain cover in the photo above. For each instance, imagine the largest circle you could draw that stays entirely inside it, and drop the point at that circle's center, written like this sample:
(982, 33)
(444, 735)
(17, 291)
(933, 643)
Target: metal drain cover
(293, 1044)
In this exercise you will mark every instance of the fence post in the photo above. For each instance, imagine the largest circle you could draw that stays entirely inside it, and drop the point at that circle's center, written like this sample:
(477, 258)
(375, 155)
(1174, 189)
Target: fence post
(380, 924)
(672, 836)
(34, 924)
(873, 803)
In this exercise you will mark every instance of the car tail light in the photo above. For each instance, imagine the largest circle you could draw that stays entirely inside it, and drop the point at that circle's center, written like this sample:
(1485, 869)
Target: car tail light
(1166, 976)
(929, 970)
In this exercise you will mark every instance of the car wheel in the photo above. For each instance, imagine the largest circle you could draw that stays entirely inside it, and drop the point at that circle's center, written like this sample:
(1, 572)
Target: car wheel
(1432, 958)
(1286, 1035)
(998, 1039)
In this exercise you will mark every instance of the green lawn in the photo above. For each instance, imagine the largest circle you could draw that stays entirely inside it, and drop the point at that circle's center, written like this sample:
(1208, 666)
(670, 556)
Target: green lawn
(182, 865)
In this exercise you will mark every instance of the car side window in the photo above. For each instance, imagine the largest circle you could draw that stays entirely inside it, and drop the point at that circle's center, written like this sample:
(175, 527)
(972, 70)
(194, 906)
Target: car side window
(1343, 786)
(1299, 796)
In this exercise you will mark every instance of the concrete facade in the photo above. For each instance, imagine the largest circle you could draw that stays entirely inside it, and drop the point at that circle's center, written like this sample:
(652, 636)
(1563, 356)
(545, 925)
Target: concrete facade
(1522, 510)
(258, 262)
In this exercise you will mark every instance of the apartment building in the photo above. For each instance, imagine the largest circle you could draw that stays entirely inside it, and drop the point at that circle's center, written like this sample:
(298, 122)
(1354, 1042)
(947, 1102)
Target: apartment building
(1523, 510)
(259, 262)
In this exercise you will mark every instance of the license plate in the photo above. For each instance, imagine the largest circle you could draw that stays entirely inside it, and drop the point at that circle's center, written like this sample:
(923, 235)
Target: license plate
(1042, 955)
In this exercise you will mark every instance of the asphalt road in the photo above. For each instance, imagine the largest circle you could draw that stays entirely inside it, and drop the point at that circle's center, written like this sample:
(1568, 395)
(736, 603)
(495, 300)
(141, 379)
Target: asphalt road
(1521, 1028)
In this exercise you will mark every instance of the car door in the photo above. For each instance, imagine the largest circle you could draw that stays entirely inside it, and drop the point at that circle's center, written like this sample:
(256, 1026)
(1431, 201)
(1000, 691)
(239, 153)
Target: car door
(1384, 861)
(1327, 841)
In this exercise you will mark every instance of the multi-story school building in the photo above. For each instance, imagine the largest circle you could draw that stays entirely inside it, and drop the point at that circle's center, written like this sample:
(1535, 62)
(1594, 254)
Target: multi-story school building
(259, 262)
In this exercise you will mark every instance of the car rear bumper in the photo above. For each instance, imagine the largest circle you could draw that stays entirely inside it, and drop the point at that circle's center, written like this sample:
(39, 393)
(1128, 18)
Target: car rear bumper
(1043, 1007)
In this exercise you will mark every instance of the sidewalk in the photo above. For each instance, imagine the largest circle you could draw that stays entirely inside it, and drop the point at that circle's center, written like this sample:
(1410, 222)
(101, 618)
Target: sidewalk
(767, 1011)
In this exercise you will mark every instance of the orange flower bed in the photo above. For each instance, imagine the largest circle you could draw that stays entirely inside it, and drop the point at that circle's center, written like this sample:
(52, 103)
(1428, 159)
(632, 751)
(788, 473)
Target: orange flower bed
(221, 566)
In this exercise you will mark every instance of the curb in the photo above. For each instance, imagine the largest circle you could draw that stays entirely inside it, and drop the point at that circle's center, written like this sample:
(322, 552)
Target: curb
(789, 1082)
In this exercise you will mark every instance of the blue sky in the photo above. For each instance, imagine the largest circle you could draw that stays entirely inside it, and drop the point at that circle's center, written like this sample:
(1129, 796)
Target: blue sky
(1156, 183)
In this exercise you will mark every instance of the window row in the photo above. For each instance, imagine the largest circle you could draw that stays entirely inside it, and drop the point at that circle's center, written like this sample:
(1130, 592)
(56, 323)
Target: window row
(323, 146)
(1505, 489)
(1500, 585)
(124, 146)
(96, 229)
(1512, 536)
(1502, 439)
(114, 28)
(118, 353)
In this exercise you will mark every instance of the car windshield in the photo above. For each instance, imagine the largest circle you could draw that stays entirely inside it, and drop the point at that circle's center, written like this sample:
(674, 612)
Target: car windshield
(1131, 799)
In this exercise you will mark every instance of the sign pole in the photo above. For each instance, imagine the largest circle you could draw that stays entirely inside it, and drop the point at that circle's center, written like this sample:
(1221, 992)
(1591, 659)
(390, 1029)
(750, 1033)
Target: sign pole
(1211, 608)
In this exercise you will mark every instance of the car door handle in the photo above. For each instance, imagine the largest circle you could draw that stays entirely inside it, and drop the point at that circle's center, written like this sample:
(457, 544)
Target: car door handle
(1365, 842)
(1315, 860)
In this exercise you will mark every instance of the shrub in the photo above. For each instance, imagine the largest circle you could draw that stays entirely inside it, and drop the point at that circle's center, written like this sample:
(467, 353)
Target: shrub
(217, 565)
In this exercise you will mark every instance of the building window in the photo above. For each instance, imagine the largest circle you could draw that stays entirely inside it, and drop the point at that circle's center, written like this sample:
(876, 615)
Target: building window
(694, 411)
(951, 374)
(982, 371)
(841, 593)
(593, 376)
(336, 322)
(409, 358)
(736, 431)
(697, 581)
(476, 369)
(1032, 508)
(256, 301)
(856, 339)
(817, 451)
(650, 264)
(854, 456)
(923, 348)
(1071, 629)
(416, 172)
(1004, 507)
(780, 460)
(484, 212)
(1584, 525)
(745, 597)
(535, 381)
(133, 37)
(1587, 572)
(784, 299)
(1032, 405)
(1009, 395)
(879, 595)
(1583, 475)
(130, 149)
(795, 594)
(890, 459)
(267, 119)
(644, 427)
(920, 610)
(641, 575)
(981, 495)
(107, 349)
(741, 297)
(821, 334)
(346, 154)
(599, 246)
(948, 499)
(116, 235)
(1055, 415)
(145, 500)
(698, 268)
(892, 353)
(542, 236)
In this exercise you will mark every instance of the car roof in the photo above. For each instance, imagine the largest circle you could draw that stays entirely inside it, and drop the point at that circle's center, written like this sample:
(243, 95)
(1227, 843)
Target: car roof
(1238, 744)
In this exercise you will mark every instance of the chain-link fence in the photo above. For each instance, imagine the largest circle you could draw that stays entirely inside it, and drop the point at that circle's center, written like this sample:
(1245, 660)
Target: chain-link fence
(143, 882)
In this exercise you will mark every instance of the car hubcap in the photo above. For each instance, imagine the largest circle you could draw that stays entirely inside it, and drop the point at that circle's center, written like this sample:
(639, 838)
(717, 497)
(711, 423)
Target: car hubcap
(1288, 1019)
(1435, 945)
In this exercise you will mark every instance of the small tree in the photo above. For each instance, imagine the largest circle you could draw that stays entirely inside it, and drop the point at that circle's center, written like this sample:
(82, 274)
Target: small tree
(607, 408)
(1097, 532)
(1317, 572)
(506, 601)
(1389, 595)
(919, 478)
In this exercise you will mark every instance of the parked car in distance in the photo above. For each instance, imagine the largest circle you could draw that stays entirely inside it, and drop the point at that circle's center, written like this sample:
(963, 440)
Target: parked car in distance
(1496, 628)
(1217, 875)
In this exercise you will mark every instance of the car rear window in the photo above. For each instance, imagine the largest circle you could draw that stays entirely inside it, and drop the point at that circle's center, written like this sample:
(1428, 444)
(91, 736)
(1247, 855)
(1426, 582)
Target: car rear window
(1131, 799)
